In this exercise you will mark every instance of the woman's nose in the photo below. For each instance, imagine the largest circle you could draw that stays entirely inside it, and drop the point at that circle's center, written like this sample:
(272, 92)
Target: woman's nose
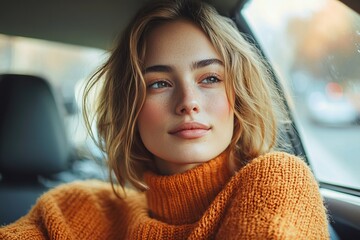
(188, 101)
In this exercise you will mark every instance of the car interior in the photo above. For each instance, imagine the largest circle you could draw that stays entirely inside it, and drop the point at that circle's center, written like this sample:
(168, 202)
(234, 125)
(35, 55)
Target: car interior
(26, 152)
(36, 150)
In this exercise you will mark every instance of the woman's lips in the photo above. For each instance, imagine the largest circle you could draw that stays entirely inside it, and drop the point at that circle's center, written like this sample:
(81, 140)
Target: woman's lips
(190, 130)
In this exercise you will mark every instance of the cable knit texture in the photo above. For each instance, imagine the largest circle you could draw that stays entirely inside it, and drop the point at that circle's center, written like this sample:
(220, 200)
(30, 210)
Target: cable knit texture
(275, 196)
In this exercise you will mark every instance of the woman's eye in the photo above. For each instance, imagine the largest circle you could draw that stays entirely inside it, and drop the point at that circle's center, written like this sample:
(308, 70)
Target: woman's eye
(159, 84)
(210, 80)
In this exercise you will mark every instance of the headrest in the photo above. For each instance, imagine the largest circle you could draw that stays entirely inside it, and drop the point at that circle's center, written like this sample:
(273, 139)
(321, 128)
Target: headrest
(33, 139)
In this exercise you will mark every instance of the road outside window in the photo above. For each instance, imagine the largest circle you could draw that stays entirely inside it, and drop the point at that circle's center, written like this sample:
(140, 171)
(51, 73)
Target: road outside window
(314, 48)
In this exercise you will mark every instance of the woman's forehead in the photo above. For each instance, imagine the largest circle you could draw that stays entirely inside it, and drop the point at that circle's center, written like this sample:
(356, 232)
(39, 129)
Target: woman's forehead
(178, 42)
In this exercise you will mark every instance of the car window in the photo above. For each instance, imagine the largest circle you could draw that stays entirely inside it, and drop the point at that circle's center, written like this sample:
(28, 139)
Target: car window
(314, 48)
(64, 66)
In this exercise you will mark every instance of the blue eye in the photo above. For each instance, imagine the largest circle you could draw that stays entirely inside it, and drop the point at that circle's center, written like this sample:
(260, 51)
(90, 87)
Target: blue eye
(159, 84)
(210, 80)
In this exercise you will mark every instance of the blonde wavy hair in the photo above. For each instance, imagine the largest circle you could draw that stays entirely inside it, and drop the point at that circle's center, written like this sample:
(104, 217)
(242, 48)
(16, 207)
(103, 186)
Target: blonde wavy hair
(255, 100)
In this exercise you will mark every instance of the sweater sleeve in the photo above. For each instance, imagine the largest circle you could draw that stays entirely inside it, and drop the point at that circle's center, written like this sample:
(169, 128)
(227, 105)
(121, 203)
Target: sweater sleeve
(277, 197)
(27, 227)
(79, 210)
(46, 218)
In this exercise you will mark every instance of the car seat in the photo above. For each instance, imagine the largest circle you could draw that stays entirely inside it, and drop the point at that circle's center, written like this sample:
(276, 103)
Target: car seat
(33, 142)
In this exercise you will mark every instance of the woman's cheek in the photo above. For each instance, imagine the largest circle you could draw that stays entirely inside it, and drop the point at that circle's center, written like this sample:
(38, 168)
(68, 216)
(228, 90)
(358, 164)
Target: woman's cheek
(151, 115)
(220, 106)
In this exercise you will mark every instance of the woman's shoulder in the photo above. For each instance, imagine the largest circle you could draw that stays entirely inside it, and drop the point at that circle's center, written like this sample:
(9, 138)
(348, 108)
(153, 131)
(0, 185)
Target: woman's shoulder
(277, 170)
(91, 190)
(79, 197)
(280, 157)
(278, 162)
(85, 187)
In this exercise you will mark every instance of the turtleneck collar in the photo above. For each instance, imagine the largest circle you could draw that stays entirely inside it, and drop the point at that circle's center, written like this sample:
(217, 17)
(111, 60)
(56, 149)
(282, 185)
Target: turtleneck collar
(183, 198)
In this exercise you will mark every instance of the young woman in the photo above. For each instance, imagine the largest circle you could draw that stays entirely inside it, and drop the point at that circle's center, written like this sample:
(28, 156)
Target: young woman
(187, 115)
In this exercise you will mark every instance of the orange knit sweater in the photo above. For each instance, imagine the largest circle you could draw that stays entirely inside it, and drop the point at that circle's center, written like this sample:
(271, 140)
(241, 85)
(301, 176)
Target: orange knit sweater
(275, 196)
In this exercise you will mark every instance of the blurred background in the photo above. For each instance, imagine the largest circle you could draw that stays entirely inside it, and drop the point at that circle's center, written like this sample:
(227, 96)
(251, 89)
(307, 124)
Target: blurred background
(314, 47)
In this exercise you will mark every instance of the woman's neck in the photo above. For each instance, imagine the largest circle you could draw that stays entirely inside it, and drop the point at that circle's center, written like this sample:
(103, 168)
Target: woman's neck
(171, 168)
(183, 198)
(168, 167)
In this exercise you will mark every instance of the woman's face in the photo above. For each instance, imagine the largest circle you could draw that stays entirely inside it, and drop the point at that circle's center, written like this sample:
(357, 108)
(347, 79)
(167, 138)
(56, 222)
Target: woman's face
(186, 118)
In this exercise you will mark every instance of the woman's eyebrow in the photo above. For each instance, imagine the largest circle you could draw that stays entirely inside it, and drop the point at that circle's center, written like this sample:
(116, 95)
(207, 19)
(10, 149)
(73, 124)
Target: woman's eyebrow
(194, 65)
(206, 62)
(158, 68)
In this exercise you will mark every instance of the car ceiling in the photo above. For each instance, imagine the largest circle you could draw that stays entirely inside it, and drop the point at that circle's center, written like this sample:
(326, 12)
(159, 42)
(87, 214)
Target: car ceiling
(92, 23)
